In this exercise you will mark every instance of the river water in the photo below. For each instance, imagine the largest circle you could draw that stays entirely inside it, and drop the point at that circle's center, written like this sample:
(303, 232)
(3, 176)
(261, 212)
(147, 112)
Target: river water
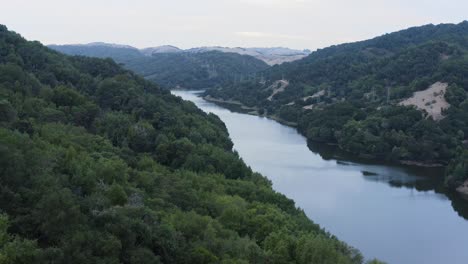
(397, 214)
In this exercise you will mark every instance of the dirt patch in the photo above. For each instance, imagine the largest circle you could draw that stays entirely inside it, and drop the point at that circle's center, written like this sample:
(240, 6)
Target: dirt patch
(463, 189)
(277, 87)
(278, 59)
(315, 95)
(431, 100)
(444, 57)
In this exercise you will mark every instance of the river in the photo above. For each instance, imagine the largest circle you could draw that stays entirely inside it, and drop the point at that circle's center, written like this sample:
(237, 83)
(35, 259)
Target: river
(397, 214)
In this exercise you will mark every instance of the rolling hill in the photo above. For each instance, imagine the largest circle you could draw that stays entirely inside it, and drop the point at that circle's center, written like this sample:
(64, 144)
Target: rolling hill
(172, 67)
(400, 97)
(272, 56)
(98, 165)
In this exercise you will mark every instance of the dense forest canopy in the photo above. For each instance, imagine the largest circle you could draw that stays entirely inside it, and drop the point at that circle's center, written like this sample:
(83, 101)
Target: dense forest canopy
(119, 53)
(98, 165)
(194, 70)
(353, 95)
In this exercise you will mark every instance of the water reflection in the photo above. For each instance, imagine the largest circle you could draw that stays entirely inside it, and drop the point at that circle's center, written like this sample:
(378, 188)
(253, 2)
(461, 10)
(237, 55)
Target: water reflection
(421, 179)
(400, 214)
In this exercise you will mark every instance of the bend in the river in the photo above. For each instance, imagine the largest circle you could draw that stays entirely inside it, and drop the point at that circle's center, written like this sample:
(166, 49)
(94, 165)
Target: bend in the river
(398, 214)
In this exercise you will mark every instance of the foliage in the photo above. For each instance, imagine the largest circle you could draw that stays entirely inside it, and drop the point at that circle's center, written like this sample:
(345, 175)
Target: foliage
(194, 70)
(100, 166)
(357, 88)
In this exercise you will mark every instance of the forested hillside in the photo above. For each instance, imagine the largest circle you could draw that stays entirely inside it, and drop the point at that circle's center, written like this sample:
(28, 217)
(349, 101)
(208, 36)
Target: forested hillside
(120, 53)
(190, 70)
(400, 96)
(196, 70)
(271, 56)
(98, 165)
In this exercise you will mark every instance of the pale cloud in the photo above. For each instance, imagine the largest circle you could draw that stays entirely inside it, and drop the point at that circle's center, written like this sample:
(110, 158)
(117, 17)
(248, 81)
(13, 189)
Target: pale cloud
(298, 24)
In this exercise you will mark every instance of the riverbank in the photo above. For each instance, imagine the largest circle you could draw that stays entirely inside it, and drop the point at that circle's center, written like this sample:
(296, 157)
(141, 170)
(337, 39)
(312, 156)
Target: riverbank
(394, 202)
(236, 105)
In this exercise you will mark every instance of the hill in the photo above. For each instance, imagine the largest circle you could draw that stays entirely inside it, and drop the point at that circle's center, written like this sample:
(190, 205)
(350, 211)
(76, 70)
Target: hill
(160, 49)
(99, 165)
(171, 67)
(400, 96)
(120, 53)
(195, 70)
(272, 56)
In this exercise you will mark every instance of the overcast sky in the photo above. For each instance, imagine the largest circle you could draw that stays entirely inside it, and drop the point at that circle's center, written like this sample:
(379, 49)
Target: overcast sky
(297, 24)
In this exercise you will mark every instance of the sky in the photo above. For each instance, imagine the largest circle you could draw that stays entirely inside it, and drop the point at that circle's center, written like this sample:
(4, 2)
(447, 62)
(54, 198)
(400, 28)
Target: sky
(299, 24)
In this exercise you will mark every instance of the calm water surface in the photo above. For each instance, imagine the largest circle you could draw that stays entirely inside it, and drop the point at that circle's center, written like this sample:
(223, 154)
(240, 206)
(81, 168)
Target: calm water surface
(397, 214)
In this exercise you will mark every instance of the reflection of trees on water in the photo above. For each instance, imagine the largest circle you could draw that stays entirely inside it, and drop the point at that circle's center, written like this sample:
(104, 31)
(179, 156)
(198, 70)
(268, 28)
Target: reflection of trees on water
(420, 179)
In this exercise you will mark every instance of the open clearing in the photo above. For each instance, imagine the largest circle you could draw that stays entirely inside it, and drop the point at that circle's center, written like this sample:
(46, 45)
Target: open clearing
(431, 100)
(277, 87)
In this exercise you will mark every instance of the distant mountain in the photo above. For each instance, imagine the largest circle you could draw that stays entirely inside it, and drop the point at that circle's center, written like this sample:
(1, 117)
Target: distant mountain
(161, 49)
(196, 70)
(120, 53)
(401, 96)
(172, 67)
(112, 45)
(271, 56)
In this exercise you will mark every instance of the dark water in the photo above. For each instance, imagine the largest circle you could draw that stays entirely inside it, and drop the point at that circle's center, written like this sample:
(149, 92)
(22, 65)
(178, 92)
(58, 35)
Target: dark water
(397, 214)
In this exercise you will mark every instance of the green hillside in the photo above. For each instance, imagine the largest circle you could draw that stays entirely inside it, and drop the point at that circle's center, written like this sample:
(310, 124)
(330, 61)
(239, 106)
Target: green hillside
(190, 70)
(98, 165)
(353, 95)
(101, 50)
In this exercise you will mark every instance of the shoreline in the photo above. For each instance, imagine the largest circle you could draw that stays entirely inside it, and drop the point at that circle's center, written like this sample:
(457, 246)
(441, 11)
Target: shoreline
(247, 110)
(254, 111)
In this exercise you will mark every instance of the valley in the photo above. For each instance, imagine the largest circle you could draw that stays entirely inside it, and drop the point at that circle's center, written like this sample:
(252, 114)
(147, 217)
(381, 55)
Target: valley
(353, 153)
